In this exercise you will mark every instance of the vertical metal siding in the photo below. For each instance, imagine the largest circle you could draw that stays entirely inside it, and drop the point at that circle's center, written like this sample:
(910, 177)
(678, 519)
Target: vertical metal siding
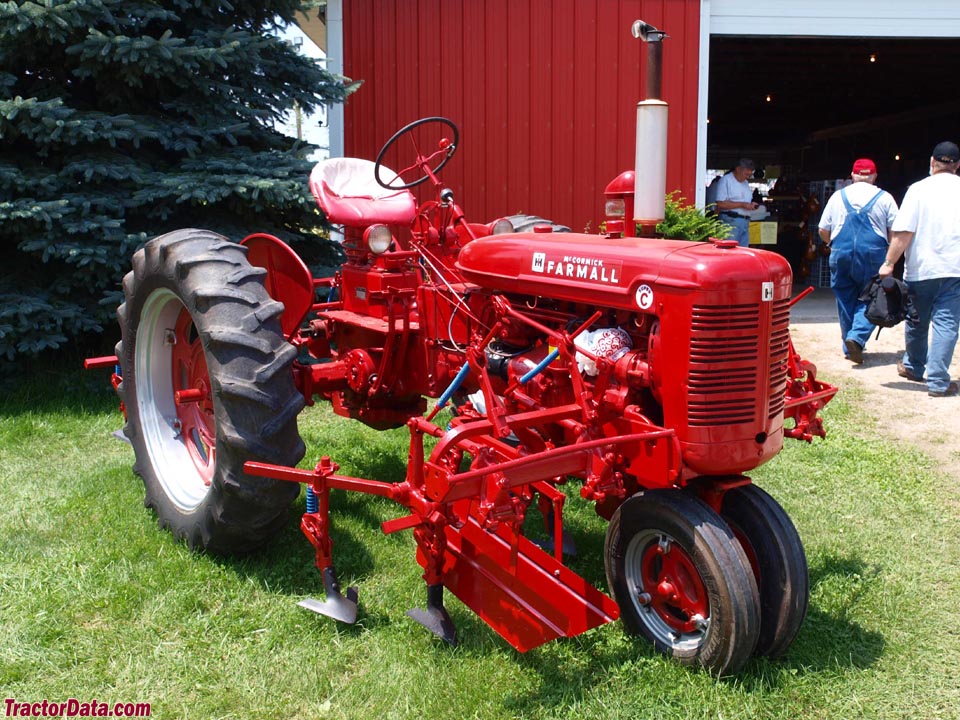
(544, 93)
(559, 189)
(519, 58)
(540, 130)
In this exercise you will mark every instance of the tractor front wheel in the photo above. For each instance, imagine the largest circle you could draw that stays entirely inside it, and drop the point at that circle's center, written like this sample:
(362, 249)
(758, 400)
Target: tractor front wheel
(207, 385)
(779, 563)
(682, 580)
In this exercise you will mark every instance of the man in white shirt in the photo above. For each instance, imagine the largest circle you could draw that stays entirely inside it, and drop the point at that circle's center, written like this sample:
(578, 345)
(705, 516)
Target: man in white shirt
(927, 228)
(735, 201)
(855, 224)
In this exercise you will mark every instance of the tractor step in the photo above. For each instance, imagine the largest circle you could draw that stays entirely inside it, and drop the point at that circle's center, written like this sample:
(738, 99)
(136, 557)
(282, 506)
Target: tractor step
(336, 606)
(520, 591)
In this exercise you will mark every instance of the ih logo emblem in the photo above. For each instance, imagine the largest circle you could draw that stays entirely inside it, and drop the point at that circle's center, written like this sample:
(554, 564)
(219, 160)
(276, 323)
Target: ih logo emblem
(539, 261)
(766, 292)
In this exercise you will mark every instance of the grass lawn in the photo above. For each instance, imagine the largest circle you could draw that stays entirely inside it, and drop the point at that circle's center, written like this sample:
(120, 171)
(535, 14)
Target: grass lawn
(97, 603)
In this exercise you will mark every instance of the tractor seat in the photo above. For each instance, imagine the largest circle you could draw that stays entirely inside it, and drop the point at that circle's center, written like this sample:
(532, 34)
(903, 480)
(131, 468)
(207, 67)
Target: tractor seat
(349, 194)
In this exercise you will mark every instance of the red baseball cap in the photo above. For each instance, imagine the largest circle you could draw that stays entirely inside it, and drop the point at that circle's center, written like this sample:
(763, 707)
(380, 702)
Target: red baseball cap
(864, 166)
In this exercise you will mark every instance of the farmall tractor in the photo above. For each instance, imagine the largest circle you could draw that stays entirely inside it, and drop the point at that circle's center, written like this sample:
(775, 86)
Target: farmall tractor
(645, 375)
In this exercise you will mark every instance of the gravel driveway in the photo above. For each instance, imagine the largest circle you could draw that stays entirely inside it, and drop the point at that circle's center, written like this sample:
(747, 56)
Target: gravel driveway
(902, 409)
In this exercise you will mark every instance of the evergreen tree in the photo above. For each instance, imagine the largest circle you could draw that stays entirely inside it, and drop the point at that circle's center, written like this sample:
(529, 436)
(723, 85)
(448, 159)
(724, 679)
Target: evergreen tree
(123, 119)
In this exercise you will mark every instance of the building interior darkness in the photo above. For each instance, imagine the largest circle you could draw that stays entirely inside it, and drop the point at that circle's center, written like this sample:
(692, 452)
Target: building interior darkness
(810, 106)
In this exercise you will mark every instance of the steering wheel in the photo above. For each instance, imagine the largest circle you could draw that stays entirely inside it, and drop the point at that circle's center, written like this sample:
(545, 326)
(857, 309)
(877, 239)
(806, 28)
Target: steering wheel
(423, 162)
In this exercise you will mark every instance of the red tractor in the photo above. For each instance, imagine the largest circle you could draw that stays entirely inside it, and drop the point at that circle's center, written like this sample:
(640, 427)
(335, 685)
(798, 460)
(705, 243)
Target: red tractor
(647, 375)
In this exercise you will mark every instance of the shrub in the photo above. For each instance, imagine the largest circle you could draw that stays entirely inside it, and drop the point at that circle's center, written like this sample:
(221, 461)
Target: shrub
(687, 222)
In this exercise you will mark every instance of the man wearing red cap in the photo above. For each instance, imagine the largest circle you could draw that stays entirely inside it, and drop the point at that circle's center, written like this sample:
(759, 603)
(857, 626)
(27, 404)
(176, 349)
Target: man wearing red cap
(856, 225)
(928, 230)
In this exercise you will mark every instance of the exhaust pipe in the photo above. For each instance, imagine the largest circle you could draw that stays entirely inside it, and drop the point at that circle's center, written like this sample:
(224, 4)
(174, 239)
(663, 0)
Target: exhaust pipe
(652, 116)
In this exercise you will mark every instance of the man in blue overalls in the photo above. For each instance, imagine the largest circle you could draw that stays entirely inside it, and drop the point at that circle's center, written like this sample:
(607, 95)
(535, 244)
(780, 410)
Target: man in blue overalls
(856, 225)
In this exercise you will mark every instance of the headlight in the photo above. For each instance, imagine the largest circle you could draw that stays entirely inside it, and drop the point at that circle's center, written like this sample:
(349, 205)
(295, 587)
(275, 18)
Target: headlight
(501, 226)
(378, 238)
(615, 208)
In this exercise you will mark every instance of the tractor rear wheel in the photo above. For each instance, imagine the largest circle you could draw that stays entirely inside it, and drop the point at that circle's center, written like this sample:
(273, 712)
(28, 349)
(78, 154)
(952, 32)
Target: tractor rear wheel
(682, 580)
(207, 385)
(779, 563)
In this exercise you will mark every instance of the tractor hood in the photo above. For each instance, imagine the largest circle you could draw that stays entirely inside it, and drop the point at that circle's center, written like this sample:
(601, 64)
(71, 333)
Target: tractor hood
(622, 272)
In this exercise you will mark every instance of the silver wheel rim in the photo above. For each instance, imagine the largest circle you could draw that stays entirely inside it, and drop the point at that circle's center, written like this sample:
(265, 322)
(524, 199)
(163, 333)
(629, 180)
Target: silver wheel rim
(633, 574)
(173, 466)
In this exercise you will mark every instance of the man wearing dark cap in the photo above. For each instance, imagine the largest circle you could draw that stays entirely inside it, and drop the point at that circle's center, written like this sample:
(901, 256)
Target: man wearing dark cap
(855, 224)
(735, 200)
(927, 229)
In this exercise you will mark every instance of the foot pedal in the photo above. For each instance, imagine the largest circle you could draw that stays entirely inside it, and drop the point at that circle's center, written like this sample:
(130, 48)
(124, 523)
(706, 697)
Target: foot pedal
(336, 606)
(435, 617)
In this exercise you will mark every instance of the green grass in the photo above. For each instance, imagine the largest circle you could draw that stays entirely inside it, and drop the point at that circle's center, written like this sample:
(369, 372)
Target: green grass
(96, 602)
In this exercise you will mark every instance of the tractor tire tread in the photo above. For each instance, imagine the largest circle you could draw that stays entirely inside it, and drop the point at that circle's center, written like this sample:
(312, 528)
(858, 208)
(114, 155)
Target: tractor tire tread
(242, 274)
(256, 412)
(783, 576)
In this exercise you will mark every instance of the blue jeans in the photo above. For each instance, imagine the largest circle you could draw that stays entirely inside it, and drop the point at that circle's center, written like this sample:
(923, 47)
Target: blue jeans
(938, 304)
(852, 265)
(740, 229)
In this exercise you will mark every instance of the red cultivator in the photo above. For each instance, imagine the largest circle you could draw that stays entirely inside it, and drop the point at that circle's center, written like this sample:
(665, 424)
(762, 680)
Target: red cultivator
(648, 375)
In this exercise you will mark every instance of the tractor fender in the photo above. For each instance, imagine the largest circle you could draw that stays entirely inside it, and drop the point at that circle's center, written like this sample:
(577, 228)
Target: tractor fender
(288, 279)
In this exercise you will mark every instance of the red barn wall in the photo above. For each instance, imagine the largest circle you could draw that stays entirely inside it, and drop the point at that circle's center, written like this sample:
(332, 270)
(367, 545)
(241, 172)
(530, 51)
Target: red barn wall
(544, 93)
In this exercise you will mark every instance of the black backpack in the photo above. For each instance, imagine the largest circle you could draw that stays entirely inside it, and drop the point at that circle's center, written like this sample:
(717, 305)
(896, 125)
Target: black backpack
(888, 303)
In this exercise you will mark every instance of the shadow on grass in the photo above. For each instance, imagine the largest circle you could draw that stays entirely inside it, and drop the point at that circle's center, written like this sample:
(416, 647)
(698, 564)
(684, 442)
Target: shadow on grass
(58, 387)
(569, 671)
(583, 665)
(876, 359)
(575, 668)
(830, 639)
(287, 565)
(288, 562)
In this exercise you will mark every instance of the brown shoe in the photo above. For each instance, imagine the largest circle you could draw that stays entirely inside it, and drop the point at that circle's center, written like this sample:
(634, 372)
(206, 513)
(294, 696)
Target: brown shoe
(854, 351)
(904, 373)
(952, 389)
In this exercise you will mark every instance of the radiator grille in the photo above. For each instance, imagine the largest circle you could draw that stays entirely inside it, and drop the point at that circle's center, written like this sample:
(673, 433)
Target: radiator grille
(779, 350)
(726, 358)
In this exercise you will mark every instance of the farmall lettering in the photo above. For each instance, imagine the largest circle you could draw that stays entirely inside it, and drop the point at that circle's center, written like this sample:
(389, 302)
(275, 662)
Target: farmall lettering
(577, 267)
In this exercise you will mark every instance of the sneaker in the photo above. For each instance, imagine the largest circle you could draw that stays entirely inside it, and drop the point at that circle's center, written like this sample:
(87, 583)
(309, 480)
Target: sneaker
(854, 351)
(904, 373)
(952, 389)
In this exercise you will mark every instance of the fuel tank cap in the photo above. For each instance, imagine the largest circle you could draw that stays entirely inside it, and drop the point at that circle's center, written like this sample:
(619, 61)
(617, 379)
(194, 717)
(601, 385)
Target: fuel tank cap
(724, 243)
